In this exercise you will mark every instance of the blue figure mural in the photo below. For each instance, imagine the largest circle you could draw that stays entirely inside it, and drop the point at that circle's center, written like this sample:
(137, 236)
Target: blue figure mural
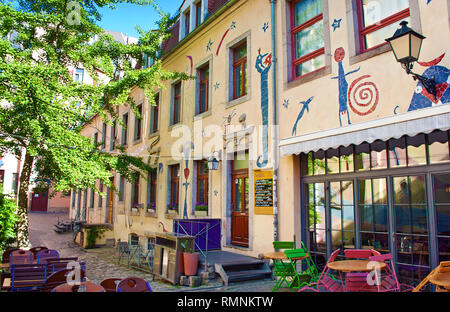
(300, 115)
(339, 55)
(422, 98)
(263, 65)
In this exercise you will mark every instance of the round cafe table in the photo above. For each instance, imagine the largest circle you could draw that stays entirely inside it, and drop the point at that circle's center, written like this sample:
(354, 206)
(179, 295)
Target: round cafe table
(90, 287)
(348, 266)
(281, 258)
(280, 255)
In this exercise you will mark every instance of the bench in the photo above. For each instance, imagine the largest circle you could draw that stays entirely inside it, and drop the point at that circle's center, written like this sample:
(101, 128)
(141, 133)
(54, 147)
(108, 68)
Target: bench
(26, 277)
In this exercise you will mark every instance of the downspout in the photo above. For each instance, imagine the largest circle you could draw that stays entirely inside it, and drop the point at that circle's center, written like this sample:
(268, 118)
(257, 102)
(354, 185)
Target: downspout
(275, 123)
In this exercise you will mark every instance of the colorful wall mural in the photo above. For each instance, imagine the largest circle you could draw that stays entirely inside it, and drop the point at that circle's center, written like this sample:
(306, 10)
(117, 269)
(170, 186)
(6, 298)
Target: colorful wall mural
(305, 107)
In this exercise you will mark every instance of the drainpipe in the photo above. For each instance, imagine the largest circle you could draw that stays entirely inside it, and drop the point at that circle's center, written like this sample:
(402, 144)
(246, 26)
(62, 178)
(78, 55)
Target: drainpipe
(275, 122)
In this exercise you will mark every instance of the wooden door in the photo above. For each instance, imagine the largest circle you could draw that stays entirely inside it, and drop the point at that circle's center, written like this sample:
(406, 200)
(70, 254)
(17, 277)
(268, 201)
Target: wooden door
(239, 206)
(39, 201)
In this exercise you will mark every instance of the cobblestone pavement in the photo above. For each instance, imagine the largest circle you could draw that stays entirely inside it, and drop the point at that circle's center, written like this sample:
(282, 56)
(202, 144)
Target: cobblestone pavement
(101, 263)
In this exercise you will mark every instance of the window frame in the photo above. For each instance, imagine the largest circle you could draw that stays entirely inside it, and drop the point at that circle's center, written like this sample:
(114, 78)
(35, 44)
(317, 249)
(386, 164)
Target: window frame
(154, 128)
(174, 184)
(125, 120)
(297, 29)
(198, 13)
(236, 63)
(79, 72)
(138, 124)
(176, 107)
(202, 177)
(104, 130)
(113, 136)
(206, 83)
(187, 22)
(152, 188)
(364, 31)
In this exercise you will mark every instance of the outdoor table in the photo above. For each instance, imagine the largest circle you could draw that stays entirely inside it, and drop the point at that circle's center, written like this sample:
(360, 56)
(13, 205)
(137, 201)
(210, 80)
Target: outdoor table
(441, 280)
(4, 265)
(90, 287)
(280, 257)
(348, 266)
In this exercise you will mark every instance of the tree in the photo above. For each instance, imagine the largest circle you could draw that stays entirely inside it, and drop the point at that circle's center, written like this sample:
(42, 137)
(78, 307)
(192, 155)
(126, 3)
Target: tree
(8, 220)
(43, 109)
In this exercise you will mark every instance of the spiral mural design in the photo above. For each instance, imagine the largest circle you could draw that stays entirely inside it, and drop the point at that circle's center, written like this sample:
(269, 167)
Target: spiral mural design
(363, 97)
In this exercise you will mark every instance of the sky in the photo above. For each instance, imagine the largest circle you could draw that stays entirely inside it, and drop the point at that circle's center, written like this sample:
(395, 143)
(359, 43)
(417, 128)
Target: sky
(126, 16)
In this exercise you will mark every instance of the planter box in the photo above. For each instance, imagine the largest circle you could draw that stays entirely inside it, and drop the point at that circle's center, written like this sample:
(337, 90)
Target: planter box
(201, 213)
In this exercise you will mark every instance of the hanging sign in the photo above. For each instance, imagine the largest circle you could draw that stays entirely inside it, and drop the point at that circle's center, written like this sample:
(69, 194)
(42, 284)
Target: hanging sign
(263, 192)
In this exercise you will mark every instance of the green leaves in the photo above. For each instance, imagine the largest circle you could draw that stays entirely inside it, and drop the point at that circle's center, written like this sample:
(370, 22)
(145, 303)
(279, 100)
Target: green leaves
(8, 220)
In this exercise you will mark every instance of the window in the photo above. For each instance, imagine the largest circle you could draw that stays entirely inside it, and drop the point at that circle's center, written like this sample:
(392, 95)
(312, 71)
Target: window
(138, 124)
(96, 139)
(100, 187)
(240, 70)
(125, 129)
(176, 108)
(2, 176)
(104, 135)
(15, 183)
(112, 142)
(174, 172)
(378, 20)
(121, 188)
(203, 89)
(79, 74)
(202, 186)
(307, 36)
(135, 193)
(91, 203)
(198, 14)
(154, 116)
(151, 190)
(187, 17)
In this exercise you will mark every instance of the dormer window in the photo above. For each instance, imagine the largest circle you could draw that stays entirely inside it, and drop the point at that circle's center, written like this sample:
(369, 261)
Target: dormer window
(187, 18)
(198, 13)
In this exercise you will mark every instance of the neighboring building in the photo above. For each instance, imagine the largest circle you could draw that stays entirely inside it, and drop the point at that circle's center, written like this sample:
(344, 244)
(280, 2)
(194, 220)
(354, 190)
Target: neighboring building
(363, 150)
(10, 168)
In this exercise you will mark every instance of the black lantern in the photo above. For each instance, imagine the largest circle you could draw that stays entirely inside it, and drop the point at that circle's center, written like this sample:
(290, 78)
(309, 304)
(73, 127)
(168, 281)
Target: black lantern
(406, 45)
(213, 163)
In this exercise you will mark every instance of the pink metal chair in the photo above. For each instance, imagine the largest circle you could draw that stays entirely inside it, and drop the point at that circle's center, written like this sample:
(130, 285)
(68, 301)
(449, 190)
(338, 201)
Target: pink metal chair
(21, 257)
(388, 278)
(45, 254)
(325, 281)
(358, 253)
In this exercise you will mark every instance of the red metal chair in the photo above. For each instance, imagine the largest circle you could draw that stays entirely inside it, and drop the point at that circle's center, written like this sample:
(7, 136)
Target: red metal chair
(110, 284)
(21, 257)
(357, 282)
(358, 253)
(59, 278)
(326, 282)
(6, 257)
(388, 279)
(133, 284)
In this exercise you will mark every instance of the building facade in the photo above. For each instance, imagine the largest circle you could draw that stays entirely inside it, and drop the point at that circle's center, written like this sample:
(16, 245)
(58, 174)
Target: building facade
(359, 156)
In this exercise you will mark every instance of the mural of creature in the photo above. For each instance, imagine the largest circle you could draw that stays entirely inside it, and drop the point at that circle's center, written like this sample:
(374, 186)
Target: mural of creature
(422, 98)
(300, 115)
(263, 65)
(339, 55)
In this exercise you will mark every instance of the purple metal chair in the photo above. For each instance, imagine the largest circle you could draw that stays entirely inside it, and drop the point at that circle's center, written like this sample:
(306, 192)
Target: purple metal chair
(133, 284)
(45, 254)
(388, 278)
(325, 281)
(35, 251)
(21, 257)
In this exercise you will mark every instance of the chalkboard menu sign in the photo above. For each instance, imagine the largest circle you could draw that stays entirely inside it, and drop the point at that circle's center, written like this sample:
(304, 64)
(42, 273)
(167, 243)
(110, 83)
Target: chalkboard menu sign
(263, 192)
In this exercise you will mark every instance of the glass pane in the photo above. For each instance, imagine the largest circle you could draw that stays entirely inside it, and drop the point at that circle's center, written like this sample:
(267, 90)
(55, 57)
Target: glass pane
(419, 219)
(443, 219)
(240, 52)
(335, 194)
(201, 192)
(346, 159)
(309, 40)
(246, 181)
(362, 157)
(379, 155)
(366, 217)
(203, 88)
(418, 189)
(348, 215)
(238, 81)
(401, 190)
(306, 10)
(381, 218)
(310, 66)
(397, 153)
(310, 164)
(240, 161)
(444, 247)
(237, 198)
(438, 147)
(442, 188)
(378, 37)
(203, 167)
(379, 195)
(347, 193)
(319, 163)
(336, 217)
(365, 191)
(333, 161)
(377, 10)
(416, 150)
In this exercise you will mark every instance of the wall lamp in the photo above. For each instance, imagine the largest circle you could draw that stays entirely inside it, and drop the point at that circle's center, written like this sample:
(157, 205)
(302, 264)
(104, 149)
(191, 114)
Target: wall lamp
(406, 45)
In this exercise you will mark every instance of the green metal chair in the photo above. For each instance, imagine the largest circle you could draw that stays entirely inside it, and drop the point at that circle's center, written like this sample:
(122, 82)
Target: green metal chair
(282, 269)
(298, 279)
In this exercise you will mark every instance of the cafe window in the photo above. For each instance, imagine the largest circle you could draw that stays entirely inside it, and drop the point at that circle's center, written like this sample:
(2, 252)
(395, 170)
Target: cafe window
(307, 37)
(377, 196)
(378, 20)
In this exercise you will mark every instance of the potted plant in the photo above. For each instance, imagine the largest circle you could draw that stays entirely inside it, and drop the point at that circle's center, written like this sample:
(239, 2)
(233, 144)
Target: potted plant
(190, 259)
(172, 207)
(151, 206)
(201, 208)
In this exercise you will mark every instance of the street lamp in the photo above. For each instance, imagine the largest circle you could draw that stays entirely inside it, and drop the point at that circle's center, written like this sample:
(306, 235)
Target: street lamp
(406, 45)
(213, 163)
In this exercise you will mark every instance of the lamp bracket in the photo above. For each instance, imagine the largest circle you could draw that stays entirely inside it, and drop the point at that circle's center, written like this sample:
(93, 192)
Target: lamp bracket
(428, 83)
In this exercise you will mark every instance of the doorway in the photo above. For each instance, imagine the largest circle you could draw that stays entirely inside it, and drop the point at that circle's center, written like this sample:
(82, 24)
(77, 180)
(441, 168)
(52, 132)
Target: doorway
(239, 203)
(39, 201)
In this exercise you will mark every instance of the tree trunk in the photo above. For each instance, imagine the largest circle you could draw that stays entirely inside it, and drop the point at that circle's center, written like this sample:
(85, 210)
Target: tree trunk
(23, 238)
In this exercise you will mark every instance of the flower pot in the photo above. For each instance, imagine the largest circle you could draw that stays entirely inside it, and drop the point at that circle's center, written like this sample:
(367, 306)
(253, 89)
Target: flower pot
(190, 263)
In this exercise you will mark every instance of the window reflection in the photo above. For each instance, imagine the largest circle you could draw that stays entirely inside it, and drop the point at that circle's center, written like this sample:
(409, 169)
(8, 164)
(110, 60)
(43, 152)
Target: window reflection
(438, 148)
